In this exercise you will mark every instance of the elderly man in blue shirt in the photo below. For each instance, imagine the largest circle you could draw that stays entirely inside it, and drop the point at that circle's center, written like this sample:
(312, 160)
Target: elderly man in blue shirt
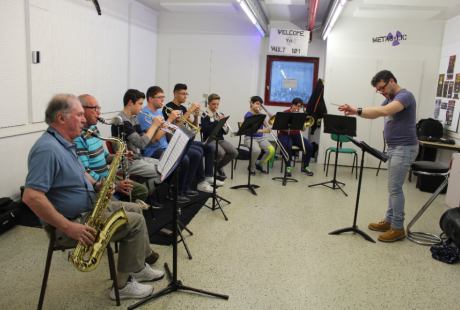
(59, 191)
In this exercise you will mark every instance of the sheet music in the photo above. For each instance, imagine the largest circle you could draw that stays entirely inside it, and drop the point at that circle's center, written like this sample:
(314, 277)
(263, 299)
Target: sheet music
(173, 153)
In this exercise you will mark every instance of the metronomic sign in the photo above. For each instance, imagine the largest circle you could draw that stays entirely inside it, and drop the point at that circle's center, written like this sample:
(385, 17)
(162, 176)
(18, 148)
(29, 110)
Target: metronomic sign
(289, 42)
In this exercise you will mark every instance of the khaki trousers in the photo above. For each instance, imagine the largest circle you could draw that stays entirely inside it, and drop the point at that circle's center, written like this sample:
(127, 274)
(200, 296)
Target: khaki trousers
(134, 240)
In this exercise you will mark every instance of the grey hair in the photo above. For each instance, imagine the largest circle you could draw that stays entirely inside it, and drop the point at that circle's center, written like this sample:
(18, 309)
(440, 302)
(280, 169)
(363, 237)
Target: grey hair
(84, 99)
(58, 104)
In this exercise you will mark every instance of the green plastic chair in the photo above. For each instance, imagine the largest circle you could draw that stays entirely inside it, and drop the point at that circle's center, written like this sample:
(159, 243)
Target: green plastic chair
(343, 139)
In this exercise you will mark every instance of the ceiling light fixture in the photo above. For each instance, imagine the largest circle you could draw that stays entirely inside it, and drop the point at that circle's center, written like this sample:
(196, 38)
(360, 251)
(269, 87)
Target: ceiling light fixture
(332, 18)
(252, 16)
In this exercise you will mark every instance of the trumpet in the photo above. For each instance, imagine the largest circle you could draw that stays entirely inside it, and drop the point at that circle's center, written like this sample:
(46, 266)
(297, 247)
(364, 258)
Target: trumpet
(283, 151)
(194, 128)
(171, 126)
(226, 126)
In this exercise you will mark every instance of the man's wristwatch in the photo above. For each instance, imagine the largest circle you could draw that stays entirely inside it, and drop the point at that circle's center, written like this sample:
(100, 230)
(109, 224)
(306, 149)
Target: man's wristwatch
(360, 111)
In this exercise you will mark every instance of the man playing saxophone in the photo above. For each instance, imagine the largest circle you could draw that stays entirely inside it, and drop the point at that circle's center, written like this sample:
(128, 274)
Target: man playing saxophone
(58, 190)
(90, 151)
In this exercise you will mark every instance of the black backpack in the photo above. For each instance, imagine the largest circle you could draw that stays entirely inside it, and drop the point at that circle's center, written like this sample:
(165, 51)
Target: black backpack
(429, 128)
(10, 213)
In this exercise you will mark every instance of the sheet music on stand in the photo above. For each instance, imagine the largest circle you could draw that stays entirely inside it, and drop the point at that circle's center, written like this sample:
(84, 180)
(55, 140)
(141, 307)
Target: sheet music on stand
(173, 154)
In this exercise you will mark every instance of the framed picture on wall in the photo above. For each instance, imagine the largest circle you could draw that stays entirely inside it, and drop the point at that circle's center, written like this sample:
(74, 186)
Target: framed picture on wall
(450, 69)
(444, 91)
(457, 86)
(451, 89)
(440, 85)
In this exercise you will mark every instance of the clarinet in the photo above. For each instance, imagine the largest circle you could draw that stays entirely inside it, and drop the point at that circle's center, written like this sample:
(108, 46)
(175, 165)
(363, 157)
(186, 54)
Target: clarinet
(124, 161)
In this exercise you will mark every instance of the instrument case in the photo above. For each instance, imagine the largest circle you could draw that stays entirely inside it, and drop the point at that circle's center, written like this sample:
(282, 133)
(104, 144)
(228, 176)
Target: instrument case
(10, 213)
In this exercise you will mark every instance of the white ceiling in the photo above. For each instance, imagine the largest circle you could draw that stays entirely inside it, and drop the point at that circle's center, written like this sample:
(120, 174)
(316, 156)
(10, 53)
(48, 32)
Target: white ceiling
(403, 9)
(296, 11)
(276, 10)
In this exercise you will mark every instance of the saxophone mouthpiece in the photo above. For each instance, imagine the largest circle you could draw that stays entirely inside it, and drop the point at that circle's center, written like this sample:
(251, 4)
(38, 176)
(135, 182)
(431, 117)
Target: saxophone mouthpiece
(89, 132)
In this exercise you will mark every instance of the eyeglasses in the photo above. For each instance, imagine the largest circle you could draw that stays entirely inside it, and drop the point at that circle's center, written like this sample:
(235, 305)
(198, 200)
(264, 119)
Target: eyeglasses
(382, 88)
(161, 97)
(183, 94)
(98, 108)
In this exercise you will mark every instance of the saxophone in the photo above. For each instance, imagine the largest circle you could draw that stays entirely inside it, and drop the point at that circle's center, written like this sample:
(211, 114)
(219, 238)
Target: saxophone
(88, 258)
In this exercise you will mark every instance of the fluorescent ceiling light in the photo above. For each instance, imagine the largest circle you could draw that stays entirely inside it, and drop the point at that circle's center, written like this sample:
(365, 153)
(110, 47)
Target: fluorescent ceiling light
(251, 16)
(335, 13)
(248, 12)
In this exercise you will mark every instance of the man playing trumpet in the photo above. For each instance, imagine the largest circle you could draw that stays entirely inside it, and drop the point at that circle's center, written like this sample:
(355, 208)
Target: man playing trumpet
(192, 162)
(226, 151)
(180, 96)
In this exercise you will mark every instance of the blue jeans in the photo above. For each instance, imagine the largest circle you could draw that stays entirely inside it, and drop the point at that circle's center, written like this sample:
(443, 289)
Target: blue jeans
(401, 157)
(208, 152)
(296, 140)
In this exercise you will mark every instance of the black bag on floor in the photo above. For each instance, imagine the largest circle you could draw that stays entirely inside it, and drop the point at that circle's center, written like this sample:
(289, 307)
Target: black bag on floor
(429, 128)
(430, 183)
(10, 214)
(450, 224)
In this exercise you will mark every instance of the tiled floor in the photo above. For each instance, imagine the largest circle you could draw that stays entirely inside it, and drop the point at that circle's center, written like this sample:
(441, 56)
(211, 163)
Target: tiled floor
(274, 252)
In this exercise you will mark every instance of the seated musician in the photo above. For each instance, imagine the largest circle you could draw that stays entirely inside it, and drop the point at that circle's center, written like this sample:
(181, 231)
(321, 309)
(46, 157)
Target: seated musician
(193, 159)
(180, 95)
(295, 139)
(136, 139)
(90, 151)
(226, 152)
(58, 190)
(259, 141)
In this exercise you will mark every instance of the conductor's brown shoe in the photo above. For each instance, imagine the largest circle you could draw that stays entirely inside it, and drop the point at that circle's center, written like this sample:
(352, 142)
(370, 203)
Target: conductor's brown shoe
(152, 258)
(392, 235)
(382, 226)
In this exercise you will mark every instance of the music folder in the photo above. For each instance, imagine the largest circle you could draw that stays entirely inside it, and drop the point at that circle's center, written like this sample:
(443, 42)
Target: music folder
(174, 153)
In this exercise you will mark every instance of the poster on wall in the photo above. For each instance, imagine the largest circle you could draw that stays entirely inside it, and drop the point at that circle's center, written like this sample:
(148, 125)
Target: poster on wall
(289, 42)
(437, 108)
(440, 85)
(451, 89)
(450, 69)
(457, 86)
(444, 91)
(442, 113)
(452, 115)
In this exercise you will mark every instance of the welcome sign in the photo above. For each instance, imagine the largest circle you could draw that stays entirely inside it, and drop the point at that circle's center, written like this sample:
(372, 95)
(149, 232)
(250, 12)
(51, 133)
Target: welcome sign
(289, 42)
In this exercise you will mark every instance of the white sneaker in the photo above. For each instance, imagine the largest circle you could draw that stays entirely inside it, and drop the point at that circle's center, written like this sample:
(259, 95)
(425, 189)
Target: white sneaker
(147, 274)
(205, 187)
(132, 290)
(210, 181)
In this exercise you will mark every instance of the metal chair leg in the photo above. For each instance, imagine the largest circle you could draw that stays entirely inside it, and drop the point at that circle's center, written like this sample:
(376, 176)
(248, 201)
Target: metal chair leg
(113, 273)
(424, 238)
(47, 270)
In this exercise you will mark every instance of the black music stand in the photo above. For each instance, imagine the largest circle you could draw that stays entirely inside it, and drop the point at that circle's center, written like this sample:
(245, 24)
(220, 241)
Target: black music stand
(176, 223)
(339, 125)
(249, 127)
(215, 198)
(288, 121)
(379, 155)
(175, 284)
